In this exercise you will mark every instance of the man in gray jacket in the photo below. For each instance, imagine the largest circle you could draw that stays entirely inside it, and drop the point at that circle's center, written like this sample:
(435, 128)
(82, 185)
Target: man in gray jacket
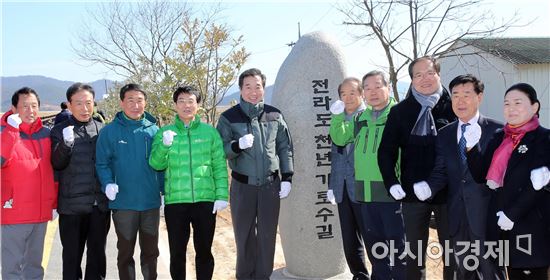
(258, 147)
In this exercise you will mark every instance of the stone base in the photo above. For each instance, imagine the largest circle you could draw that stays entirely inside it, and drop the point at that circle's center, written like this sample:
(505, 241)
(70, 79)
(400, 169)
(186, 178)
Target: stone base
(283, 274)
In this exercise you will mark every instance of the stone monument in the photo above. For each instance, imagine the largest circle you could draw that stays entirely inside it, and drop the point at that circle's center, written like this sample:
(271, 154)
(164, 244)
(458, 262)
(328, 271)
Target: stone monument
(305, 86)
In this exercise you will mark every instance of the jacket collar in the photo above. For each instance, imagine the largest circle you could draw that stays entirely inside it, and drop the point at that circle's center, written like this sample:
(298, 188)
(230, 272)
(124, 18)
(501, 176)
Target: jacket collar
(147, 120)
(250, 109)
(192, 125)
(23, 127)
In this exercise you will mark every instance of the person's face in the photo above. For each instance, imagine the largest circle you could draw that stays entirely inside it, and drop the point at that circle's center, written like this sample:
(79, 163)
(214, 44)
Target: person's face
(133, 104)
(376, 93)
(252, 90)
(351, 96)
(465, 101)
(518, 108)
(27, 108)
(82, 105)
(425, 79)
(187, 107)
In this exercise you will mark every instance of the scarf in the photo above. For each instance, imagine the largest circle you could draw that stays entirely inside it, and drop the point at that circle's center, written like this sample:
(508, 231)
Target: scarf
(499, 163)
(425, 123)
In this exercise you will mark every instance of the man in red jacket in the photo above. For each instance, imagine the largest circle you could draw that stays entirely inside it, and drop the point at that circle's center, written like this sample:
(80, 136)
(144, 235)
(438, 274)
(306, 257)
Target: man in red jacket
(28, 191)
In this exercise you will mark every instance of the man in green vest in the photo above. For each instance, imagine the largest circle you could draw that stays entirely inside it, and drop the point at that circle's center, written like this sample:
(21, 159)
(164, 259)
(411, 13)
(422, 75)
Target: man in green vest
(381, 214)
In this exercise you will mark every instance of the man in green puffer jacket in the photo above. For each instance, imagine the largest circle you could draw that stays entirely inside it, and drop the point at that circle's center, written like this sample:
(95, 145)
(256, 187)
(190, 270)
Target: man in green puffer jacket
(381, 214)
(195, 186)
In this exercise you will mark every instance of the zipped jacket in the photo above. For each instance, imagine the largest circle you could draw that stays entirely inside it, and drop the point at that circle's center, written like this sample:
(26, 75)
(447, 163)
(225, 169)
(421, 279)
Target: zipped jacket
(79, 188)
(366, 134)
(272, 151)
(122, 157)
(28, 190)
(195, 163)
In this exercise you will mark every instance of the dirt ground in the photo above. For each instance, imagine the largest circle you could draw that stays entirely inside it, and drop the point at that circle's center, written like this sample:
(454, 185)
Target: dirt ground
(224, 252)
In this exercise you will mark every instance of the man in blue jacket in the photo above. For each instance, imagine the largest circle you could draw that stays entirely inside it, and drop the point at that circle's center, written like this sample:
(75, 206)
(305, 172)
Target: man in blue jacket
(132, 186)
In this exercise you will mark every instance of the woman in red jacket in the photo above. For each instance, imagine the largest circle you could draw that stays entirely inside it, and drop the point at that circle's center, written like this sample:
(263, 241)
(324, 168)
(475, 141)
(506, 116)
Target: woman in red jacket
(28, 191)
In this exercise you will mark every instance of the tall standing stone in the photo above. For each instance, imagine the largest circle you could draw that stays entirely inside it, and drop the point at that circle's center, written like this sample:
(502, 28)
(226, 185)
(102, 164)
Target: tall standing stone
(305, 87)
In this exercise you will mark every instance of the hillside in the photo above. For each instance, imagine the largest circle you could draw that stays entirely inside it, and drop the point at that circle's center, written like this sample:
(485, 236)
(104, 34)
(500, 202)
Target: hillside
(50, 90)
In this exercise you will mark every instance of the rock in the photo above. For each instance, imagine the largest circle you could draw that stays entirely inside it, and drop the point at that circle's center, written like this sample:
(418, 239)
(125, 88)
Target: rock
(305, 86)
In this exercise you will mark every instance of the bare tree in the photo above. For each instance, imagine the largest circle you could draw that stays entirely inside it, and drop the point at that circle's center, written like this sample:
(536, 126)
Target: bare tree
(215, 59)
(148, 43)
(408, 29)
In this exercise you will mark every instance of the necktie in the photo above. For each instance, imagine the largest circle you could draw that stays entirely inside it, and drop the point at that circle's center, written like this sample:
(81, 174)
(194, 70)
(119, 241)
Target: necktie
(462, 142)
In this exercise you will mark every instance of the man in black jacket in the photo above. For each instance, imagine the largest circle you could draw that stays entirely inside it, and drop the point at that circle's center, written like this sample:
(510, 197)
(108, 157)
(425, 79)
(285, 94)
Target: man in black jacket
(409, 136)
(84, 216)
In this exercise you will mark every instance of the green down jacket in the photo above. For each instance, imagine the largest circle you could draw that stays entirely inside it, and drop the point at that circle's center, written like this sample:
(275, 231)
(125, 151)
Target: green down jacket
(195, 163)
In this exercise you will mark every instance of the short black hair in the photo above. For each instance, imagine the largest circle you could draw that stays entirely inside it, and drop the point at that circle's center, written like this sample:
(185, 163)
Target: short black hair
(188, 90)
(434, 61)
(383, 75)
(23, 91)
(63, 105)
(464, 79)
(351, 79)
(529, 91)
(76, 87)
(130, 87)
(251, 72)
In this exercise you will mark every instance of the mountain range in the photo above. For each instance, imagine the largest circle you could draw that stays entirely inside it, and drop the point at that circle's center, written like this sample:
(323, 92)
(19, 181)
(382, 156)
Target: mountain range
(51, 91)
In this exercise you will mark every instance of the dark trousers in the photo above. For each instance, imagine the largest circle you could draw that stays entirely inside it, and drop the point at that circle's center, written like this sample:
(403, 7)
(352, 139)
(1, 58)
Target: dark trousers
(255, 215)
(383, 223)
(127, 225)
(77, 231)
(178, 218)
(541, 273)
(416, 216)
(351, 224)
(462, 241)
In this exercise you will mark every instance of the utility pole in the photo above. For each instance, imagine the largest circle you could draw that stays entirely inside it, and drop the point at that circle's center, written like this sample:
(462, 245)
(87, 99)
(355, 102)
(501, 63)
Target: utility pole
(291, 44)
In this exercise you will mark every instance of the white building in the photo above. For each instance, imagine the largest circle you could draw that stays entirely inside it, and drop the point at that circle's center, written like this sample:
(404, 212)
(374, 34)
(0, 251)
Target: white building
(500, 63)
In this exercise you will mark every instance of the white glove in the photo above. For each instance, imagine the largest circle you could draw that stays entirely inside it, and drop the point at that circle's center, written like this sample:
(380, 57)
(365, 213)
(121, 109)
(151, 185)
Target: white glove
(330, 197)
(8, 204)
(219, 205)
(68, 135)
(246, 141)
(397, 192)
(285, 189)
(504, 222)
(54, 214)
(337, 107)
(472, 135)
(111, 190)
(168, 137)
(422, 190)
(540, 177)
(14, 120)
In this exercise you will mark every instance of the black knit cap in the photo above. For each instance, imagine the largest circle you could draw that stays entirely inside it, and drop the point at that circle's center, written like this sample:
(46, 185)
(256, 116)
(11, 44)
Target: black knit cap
(529, 91)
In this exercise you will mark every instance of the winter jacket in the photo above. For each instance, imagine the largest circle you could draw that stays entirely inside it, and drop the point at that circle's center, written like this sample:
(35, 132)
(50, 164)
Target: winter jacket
(79, 188)
(342, 168)
(416, 153)
(272, 151)
(27, 174)
(517, 198)
(122, 157)
(195, 163)
(367, 135)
